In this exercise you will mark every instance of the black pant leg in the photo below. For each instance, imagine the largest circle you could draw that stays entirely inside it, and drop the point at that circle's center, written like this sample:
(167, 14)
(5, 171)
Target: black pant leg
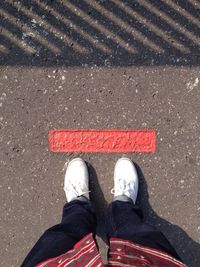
(125, 221)
(78, 220)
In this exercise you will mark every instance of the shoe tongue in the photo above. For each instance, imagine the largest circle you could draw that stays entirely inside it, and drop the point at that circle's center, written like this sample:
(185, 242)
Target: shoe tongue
(123, 184)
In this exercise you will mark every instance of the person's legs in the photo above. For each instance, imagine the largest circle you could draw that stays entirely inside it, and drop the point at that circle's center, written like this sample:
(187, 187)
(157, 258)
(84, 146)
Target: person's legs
(78, 218)
(125, 219)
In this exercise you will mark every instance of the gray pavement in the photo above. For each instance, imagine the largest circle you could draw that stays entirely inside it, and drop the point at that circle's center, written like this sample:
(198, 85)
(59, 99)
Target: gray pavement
(124, 90)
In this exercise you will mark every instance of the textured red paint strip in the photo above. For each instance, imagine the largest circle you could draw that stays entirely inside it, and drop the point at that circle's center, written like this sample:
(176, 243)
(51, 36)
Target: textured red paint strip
(102, 140)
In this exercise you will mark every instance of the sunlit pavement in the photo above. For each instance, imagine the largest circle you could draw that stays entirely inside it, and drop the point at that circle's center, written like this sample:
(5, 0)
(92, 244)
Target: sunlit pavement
(99, 65)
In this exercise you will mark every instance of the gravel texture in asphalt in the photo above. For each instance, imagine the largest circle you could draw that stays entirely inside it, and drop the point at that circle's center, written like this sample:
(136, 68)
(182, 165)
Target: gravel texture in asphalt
(100, 65)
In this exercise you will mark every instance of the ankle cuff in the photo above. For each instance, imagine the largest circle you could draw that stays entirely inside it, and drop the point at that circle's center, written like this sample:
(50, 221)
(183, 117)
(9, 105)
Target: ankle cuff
(123, 198)
(81, 198)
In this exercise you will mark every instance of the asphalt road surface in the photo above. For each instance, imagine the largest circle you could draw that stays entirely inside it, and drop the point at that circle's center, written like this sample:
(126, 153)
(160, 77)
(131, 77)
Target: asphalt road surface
(101, 65)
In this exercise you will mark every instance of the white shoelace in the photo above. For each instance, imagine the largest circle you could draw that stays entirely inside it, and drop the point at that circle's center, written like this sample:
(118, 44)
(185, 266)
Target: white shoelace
(123, 184)
(76, 188)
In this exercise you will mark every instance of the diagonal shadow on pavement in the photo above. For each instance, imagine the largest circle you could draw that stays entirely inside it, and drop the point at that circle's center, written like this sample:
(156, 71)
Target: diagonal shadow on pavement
(100, 33)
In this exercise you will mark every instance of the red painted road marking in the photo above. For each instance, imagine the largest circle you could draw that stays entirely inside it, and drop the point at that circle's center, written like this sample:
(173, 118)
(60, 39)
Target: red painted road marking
(102, 140)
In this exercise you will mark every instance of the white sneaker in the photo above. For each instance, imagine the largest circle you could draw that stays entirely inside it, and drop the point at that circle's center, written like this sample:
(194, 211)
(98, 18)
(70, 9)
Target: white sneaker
(125, 179)
(76, 181)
